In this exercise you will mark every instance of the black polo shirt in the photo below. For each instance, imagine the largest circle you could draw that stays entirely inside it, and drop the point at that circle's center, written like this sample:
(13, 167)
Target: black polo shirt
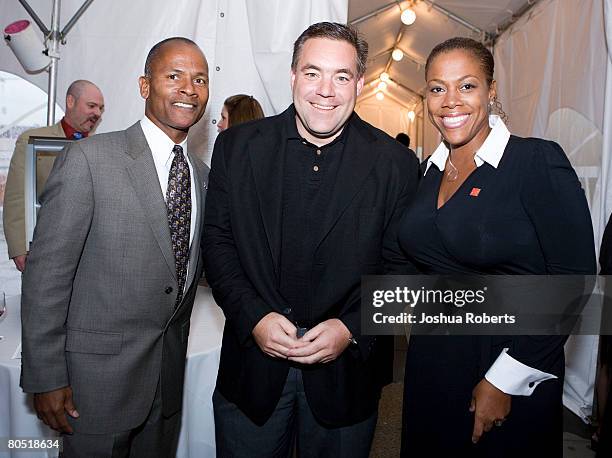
(308, 182)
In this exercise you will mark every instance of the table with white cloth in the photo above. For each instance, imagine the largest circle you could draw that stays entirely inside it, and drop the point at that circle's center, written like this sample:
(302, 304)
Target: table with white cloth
(197, 438)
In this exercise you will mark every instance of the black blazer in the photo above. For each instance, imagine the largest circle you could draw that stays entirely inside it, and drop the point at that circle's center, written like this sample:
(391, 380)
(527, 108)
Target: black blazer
(376, 179)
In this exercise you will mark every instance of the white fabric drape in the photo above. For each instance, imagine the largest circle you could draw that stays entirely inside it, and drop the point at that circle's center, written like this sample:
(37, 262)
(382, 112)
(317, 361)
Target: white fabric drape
(252, 52)
(272, 51)
(551, 70)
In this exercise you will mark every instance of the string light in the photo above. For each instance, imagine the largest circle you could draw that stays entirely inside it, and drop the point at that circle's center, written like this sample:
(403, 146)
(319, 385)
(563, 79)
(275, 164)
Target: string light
(380, 95)
(384, 76)
(408, 16)
(382, 86)
(397, 54)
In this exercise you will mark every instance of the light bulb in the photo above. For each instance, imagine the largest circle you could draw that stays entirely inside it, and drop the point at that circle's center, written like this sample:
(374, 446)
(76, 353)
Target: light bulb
(382, 86)
(380, 95)
(408, 16)
(397, 54)
(384, 76)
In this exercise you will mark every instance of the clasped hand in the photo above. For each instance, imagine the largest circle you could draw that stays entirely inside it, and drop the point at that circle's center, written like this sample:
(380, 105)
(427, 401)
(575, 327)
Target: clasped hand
(277, 337)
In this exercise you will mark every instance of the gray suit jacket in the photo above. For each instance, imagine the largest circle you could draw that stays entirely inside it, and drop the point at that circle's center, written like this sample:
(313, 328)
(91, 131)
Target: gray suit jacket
(99, 290)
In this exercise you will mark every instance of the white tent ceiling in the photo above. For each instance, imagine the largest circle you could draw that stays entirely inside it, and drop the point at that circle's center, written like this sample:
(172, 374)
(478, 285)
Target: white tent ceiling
(379, 22)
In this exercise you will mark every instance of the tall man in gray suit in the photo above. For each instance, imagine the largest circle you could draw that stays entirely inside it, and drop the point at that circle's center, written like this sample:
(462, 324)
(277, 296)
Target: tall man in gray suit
(113, 271)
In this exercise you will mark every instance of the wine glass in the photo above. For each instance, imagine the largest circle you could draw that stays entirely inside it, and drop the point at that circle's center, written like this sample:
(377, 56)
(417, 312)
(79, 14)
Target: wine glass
(2, 308)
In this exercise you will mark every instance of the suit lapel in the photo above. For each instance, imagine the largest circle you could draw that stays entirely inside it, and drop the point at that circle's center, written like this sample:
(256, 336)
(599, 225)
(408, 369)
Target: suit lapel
(358, 159)
(145, 181)
(199, 181)
(267, 156)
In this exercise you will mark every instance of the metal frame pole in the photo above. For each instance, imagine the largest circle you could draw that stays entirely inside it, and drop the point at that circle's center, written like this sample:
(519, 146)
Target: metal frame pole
(70, 24)
(35, 17)
(54, 39)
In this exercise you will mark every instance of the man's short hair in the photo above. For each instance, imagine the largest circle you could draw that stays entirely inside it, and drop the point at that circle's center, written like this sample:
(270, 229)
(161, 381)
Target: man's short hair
(155, 50)
(333, 31)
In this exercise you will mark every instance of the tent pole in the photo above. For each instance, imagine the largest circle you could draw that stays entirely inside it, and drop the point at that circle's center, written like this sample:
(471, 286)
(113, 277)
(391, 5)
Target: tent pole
(457, 19)
(70, 24)
(515, 17)
(431, 4)
(34, 16)
(53, 52)
(374, 13)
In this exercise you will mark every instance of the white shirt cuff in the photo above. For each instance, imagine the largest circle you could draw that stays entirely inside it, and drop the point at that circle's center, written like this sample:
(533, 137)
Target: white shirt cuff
(513, 377)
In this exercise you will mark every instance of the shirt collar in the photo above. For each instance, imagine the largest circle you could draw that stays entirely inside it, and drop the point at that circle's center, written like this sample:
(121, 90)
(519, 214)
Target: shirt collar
(71, 132)
(159, 143)
(490, 152)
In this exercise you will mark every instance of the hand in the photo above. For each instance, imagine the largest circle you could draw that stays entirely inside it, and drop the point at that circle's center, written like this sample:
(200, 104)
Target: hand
(20, 261)
(52, 406)
(275, 335)
(324, 343)
(489, 404)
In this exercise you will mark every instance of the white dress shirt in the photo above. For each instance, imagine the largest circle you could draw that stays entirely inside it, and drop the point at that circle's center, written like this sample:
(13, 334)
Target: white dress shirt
(161, 147)
(490, 152)
(506, 373)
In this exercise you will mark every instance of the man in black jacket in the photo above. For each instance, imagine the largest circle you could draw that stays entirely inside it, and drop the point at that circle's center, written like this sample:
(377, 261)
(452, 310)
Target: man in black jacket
(300, 206)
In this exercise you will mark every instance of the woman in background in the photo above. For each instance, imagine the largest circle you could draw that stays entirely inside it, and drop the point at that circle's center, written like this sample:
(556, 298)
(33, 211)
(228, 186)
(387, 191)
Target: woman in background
(238, 109)
(489, 203)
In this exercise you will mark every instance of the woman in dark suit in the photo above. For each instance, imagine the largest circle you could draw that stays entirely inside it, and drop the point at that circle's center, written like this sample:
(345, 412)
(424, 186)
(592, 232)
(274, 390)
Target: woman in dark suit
(489, 203)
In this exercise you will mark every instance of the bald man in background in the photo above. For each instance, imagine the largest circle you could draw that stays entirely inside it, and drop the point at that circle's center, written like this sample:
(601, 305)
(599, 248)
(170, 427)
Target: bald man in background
(84, 108)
